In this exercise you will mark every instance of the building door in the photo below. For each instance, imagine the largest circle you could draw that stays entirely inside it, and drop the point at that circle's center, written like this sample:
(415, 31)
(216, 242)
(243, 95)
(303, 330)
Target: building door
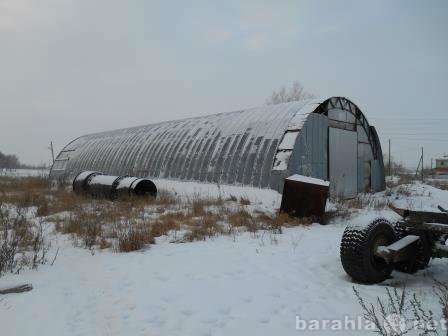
(343, 153)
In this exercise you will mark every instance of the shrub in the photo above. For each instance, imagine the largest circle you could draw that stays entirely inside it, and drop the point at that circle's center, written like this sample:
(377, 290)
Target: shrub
(21, 241)
(197, 207)
(242, 218)
(134, 238)
(206, 226)
(232, 198)
(166, 223)
(43, 209)
(244, 201)
(84, 224)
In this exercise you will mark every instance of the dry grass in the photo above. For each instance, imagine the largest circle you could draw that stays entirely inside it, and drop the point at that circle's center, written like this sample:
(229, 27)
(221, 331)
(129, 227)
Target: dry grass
(276, 222)
(86, 225)
(242, 219)
(36, 191)
(165, 198)
(244, 201)
(101, 222)
(166, 223)
(197, 208)
(104, 243)
(199, 205)
(129, 224)
(14, 184)
(133, 223)
(206, 226)
(22, 242)
(365, 201)
(24, 192)
(231, 198)
(134, 237)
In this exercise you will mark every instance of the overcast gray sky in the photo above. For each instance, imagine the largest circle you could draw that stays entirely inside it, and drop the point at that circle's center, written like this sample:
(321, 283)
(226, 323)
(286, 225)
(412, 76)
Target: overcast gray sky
(71, 67)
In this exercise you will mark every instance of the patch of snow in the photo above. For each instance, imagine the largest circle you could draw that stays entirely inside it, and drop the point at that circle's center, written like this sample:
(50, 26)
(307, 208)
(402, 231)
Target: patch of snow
(307, 179)
(288, 141)
(103, 180)
(266, 198)
(281, 160)
(299, 119)
(392, 179)
(24, 172)
(418, 196)
(248, 284)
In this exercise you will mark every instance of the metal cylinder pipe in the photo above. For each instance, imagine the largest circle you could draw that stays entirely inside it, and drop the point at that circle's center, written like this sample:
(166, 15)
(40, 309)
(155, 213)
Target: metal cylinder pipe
(100, 185)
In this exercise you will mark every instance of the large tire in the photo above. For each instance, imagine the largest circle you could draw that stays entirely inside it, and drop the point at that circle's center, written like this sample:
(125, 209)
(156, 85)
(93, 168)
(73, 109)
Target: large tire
(420, 259)
(357, 251)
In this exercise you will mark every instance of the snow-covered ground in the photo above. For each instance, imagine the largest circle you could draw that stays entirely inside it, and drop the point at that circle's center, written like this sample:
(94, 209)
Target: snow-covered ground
(264, 199)
(251, 284)
(24, 172)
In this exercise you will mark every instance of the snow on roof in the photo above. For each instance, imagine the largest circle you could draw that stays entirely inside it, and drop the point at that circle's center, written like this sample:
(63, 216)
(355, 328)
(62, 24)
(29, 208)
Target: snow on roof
(288, 141)
(281, 160)
(103, 179)
(234, 147)
(307, 179)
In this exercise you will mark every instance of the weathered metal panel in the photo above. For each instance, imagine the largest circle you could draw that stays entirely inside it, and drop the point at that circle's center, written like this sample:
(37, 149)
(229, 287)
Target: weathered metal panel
(309, 156)
(231, 148)
(378, 166)
(364, 161)
(343, 146)
(225, 148)
(377, 176)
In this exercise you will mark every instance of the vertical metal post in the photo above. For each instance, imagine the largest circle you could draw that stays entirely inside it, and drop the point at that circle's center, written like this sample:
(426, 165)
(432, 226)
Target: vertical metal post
(422, 164)
(52, 152)
(389, 159)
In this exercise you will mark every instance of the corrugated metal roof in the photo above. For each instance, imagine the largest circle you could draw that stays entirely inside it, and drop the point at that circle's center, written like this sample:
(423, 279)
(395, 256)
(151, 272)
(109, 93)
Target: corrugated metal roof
(233, 148)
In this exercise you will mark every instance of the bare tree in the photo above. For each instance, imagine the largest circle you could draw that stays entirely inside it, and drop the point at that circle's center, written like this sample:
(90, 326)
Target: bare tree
(396, 167)
(284, 95)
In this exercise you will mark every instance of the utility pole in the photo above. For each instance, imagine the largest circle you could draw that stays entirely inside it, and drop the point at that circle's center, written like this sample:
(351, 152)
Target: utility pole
(422, 164)
(431, 172)
(389, 158)
(52, 152)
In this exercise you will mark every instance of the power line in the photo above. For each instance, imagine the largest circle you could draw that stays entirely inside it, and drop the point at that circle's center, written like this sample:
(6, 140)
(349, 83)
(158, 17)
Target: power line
(422, 133)
(407, 118)
(421, 139)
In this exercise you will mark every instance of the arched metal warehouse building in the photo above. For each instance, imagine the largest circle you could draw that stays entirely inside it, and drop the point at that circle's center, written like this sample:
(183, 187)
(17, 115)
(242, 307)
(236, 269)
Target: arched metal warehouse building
(323, 138)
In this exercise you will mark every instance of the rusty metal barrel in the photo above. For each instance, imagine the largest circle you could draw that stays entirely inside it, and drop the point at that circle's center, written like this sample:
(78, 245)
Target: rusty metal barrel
(107, 186)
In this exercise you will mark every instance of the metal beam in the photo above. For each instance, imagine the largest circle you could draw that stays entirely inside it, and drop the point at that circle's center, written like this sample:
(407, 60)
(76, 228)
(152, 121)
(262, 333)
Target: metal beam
(397, 251)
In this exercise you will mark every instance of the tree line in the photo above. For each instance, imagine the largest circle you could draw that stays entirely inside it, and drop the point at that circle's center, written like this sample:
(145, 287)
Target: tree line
(11, 161)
